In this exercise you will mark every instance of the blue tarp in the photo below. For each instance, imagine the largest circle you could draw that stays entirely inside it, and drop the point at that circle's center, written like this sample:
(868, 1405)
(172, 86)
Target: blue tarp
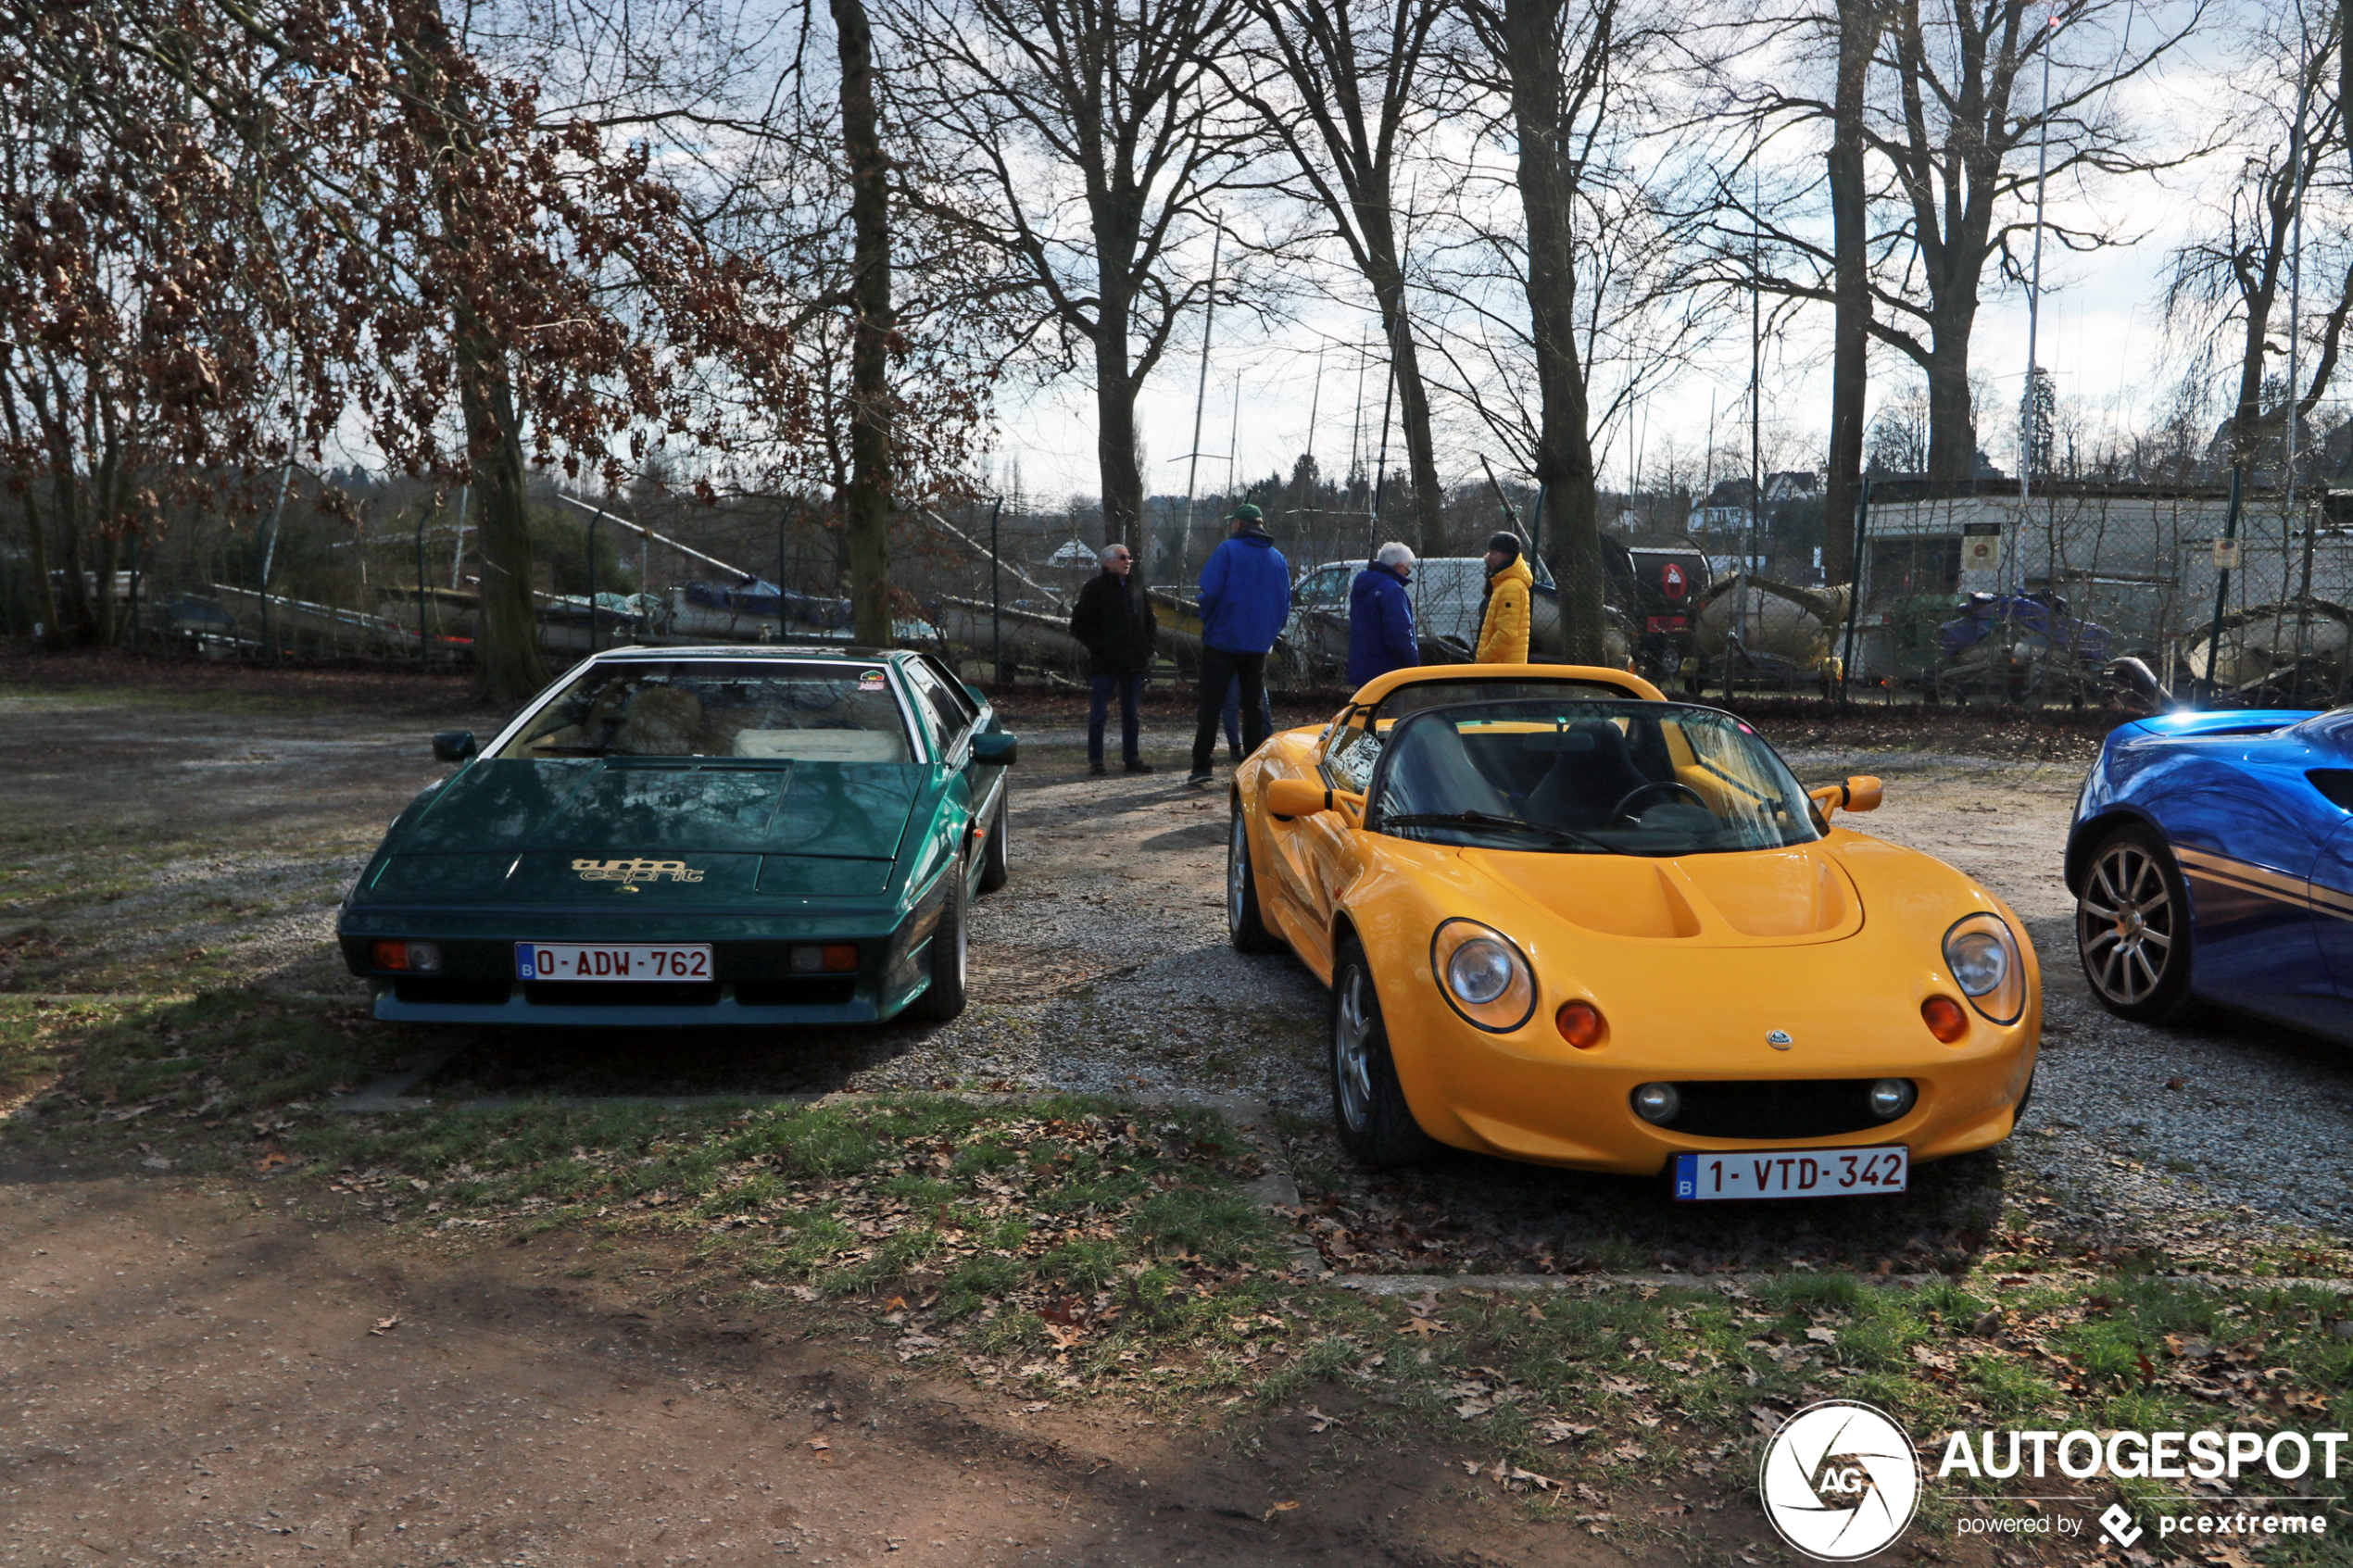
(762, 598)
(2040, 615)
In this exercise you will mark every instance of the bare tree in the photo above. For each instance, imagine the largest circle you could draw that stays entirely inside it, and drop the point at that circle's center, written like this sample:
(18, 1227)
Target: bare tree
(1956, 131)
(1568, 76)
(1105, 143)
(1858, 24)
(1952, 125)
(1899, 432)
(1353, 77)
(2291, 129)
(866, 503)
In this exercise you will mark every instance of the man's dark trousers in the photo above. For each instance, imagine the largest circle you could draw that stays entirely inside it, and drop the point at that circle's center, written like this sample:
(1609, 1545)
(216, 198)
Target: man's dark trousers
(1099, 709)
(1219, 669)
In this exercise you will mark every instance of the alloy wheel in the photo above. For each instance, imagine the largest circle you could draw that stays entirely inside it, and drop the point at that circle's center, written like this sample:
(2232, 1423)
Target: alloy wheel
(1353, 1049)
(2124, 924)
(1237, 875)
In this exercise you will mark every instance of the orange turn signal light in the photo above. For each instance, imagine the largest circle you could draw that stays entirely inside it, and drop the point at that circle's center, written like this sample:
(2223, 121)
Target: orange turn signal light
(1580, 1024)
(1945, 1018)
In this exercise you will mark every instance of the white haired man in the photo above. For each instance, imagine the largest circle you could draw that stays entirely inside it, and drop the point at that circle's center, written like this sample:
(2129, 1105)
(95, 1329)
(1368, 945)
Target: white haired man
(1116, 625)
(1381, 617)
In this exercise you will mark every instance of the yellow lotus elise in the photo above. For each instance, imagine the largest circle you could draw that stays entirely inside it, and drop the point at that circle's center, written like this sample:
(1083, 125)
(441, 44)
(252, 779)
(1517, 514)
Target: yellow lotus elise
(1565, 920)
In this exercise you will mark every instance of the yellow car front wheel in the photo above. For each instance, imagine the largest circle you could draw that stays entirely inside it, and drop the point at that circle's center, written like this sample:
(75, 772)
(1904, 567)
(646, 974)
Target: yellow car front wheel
(1369, 1110)
(1244, 926)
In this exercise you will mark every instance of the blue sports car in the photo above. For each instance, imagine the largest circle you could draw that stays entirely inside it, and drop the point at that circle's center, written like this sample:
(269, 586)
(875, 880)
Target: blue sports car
(2212, 858)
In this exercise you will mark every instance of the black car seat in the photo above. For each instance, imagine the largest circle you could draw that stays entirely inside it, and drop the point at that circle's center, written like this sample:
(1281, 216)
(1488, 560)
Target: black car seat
(1586, 780)
(1436, 774)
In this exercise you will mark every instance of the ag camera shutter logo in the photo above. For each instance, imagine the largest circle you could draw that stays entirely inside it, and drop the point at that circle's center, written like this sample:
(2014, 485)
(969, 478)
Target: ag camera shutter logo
(1840, 1481)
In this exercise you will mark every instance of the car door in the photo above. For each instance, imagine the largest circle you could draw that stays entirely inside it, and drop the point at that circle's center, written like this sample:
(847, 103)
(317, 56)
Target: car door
(1313, 858)
(947, 704)
(970, 716)
(2249, 836)
(2331, 892)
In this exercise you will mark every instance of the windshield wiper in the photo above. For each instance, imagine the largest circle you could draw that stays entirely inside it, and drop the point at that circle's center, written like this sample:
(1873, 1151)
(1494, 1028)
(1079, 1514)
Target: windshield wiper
(1490, 820)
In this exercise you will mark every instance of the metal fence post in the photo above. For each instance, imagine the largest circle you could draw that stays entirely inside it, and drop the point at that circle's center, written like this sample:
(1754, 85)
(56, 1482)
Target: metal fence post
(422, 658)
(2221, 592)
(997, 594)
(1855, 589)
(783, 518)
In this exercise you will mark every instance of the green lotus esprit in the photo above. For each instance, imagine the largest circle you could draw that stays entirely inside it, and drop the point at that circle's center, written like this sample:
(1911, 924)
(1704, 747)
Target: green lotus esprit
(695, 835)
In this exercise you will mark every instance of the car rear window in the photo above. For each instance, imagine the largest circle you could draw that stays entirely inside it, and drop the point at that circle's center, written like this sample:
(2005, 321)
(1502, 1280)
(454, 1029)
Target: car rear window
(757, 710)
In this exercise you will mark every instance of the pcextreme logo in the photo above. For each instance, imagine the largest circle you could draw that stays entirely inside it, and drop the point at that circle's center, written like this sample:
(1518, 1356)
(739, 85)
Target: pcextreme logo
(1840, 1480)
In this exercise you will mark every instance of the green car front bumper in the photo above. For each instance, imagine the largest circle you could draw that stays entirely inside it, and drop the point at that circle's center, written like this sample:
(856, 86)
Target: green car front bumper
(751, 982)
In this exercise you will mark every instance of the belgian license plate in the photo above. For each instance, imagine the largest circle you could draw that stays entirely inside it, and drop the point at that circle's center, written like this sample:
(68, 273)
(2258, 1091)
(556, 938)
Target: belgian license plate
(1792, 1173)
(573, 961)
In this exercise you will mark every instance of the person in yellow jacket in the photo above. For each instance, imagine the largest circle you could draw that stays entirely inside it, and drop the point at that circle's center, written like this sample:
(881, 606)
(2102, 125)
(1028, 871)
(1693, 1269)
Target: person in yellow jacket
(1503, 621)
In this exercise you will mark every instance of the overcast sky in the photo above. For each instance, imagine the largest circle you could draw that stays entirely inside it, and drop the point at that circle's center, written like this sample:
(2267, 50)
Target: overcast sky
(2101, 333)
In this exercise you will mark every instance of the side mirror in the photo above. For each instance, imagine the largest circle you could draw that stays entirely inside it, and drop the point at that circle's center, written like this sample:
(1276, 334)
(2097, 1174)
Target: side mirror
(453, 746)
(1297, 797)
(1861, 792)
(994, 748)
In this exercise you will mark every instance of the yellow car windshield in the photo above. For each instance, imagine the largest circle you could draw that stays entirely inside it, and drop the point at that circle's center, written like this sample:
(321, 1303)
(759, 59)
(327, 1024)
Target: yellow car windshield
(1618, 778)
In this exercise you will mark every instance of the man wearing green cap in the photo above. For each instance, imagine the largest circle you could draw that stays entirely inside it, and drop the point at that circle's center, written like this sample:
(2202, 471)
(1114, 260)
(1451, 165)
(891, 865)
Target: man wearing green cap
(1245, 598)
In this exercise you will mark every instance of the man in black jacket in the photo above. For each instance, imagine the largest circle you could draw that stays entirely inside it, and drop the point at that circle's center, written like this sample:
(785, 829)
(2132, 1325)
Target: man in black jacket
(1114, 620)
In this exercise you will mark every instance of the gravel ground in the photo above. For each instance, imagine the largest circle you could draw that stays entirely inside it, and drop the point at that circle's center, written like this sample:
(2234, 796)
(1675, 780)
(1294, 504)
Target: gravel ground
(1104, 966)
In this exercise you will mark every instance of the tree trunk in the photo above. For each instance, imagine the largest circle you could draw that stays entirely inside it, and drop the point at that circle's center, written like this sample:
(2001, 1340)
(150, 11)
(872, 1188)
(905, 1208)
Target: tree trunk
(2246, 410)
(1952, 426)
(1116, 380)
(1858, 27)
(36, 537)
(37, 557)
(75, 623)
(108, 484)
(1564, 449)
(1115, 435)
(508, 666)
(1413, 396)
(866, 501)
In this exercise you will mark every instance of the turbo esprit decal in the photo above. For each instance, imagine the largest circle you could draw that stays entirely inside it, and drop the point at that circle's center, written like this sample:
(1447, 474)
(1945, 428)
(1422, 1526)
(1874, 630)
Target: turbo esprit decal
(635, 871)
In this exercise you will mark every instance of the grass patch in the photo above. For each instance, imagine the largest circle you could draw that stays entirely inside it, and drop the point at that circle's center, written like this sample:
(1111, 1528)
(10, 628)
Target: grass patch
(165, 1077)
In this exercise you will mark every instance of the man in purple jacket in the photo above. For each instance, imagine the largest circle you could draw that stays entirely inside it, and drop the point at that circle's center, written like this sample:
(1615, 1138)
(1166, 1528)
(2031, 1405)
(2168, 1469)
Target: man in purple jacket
(1245, 598)
(1381, 617)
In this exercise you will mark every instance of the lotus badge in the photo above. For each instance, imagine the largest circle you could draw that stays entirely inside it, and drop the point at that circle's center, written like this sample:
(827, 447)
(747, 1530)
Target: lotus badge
(1778, 1039)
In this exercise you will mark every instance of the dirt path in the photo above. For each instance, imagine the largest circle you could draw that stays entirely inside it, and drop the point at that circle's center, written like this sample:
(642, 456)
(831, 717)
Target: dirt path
(199, 1376)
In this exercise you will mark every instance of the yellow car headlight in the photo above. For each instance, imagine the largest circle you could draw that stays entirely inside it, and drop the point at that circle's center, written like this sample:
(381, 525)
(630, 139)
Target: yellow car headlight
(1483, 975)
(1983, 956)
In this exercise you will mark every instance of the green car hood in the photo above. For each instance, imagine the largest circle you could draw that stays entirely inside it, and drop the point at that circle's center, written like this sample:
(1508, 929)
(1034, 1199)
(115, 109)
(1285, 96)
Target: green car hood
(664, 808)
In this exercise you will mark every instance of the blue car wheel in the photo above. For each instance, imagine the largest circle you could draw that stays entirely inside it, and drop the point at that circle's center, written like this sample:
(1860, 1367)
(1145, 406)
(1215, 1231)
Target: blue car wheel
(2132, 928)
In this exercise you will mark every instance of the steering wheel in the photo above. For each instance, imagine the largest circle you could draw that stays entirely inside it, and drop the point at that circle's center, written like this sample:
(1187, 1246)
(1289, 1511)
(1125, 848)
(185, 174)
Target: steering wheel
(1639, 790)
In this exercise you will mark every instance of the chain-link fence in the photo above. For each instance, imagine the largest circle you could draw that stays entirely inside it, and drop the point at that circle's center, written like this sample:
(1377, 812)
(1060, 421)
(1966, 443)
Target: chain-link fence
(2075, 593)
(388, 573)
(2038, 598)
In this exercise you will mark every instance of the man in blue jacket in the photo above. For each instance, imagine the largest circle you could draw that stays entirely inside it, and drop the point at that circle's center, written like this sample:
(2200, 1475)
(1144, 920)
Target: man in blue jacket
(1381, 617)
(1245, 598)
